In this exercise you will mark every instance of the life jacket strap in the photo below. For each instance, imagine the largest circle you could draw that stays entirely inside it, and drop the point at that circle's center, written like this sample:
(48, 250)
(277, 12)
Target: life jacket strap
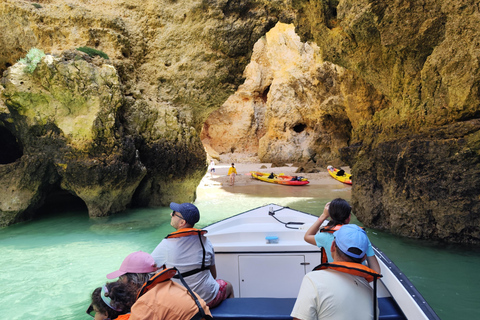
(201, 313)
(190, 273)
(188, 232)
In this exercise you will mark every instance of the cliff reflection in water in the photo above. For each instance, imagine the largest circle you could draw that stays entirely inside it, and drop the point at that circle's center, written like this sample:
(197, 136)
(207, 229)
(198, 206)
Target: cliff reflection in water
(51, 266)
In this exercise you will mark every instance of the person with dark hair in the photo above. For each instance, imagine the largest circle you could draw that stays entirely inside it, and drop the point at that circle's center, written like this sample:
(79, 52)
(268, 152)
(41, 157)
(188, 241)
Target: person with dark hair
(158, 297)
(339, 211)
(135, 269)
(232, 172)
(340, 290)
(111, 301)
(192, 254)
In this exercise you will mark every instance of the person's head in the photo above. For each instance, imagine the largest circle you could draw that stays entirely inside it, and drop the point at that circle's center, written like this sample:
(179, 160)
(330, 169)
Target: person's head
(233, 164)
(111, 300)
(136, 269)
(350, 244)
(184, 215)
(339, 211)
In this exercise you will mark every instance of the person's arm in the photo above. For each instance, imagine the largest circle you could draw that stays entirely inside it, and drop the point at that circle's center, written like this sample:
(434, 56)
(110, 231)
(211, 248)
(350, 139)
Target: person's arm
(213, 271)
(312, 231)
(373, 263)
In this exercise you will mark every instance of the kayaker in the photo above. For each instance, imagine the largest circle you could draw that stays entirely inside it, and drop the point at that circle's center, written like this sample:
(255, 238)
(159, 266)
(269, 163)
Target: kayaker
(232, 172)
(192, 254)
(339, 212)
(340, 290)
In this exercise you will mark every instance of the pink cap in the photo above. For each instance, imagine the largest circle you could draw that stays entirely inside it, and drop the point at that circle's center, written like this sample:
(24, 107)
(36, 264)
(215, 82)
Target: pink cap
(136, 262)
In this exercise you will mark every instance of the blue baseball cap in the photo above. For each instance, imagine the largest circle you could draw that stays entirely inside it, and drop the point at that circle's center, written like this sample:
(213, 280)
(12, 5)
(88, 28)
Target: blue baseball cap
(352, 240)
(189, 212)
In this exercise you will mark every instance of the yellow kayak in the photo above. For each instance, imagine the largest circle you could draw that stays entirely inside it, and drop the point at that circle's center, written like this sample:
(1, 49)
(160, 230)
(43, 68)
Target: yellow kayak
(340, 175)
(280, 178)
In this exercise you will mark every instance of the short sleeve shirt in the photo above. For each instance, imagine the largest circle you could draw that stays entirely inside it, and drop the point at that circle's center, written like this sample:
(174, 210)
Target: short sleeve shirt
(185, 253)
(333, 295)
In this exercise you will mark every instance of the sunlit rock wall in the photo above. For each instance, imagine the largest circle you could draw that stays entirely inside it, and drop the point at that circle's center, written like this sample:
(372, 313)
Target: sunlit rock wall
(175, 63)
(417, 163)
(293, 105)
(403, 76)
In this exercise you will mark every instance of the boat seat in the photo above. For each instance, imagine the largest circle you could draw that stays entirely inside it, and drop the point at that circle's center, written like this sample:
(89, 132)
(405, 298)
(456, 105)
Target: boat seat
(280, 309)
(254, 309)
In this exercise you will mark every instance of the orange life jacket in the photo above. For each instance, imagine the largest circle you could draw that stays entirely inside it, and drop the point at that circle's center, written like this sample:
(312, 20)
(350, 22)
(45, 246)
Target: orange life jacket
(167, 275)
(185, 232)
(123, 317)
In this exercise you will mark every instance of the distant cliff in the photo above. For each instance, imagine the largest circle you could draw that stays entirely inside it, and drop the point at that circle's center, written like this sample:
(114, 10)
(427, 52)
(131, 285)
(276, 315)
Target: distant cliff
(390, 88)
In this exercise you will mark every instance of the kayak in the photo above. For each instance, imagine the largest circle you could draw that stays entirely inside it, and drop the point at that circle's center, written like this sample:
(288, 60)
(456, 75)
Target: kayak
(340, 175)
(280, 178)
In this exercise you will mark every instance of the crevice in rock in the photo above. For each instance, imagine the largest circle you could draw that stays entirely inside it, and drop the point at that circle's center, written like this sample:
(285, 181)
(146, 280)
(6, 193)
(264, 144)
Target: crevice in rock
(331, 14)
(11, 149)
(265, 94)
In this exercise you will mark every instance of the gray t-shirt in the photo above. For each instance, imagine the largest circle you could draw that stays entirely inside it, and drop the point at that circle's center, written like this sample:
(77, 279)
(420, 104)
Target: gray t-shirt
(185, 253)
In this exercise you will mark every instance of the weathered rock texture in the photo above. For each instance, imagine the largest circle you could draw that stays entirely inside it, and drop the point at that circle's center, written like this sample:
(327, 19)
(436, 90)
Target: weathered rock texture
(416, 164)
(174, 63)
(402, 75)
(413, 146)
(293, 106)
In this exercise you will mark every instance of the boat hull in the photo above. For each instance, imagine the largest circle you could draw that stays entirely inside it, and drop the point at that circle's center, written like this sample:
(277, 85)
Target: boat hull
(257, 249)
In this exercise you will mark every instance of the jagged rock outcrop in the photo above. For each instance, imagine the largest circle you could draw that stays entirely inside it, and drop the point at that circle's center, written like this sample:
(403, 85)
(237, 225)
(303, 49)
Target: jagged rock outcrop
(293, 106)
(413, 147)
(64, 116)
(175, 63)
(416, 164)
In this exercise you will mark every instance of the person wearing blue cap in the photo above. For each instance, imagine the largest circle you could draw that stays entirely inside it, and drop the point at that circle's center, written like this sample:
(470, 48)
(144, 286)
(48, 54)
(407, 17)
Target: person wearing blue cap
(192, 254)
(340, 290)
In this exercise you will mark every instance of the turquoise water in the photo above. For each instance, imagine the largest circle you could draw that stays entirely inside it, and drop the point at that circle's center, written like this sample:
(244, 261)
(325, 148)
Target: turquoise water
(50, 266)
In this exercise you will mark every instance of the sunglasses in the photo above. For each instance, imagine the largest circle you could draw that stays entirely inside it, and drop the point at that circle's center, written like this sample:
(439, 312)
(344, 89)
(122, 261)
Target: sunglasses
(174, 214)
(90, 311)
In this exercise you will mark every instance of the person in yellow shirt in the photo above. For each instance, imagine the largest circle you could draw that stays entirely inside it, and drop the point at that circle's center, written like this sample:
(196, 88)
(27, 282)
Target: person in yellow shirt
(232, 172)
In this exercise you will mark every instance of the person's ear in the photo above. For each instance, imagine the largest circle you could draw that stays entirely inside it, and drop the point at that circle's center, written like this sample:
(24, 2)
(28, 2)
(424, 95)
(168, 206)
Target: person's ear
(332, 247)
(347, 221)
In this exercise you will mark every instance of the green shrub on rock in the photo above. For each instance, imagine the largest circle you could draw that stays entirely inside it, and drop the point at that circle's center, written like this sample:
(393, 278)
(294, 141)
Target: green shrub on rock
(33, 57)
(93, 52)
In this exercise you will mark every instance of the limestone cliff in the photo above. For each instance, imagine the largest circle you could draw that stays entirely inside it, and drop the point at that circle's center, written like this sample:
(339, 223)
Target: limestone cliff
(131, 141)
(393, 84)
(414, 142)
(416, 164)
(293, 105)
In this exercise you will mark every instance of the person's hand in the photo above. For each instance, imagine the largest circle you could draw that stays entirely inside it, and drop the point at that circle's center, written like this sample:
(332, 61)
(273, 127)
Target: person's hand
(325, 213)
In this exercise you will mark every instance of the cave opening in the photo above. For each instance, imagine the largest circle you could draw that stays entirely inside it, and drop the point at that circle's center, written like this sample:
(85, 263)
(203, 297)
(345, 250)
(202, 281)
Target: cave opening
(11, 149)
(59, 201)
(300, 127)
